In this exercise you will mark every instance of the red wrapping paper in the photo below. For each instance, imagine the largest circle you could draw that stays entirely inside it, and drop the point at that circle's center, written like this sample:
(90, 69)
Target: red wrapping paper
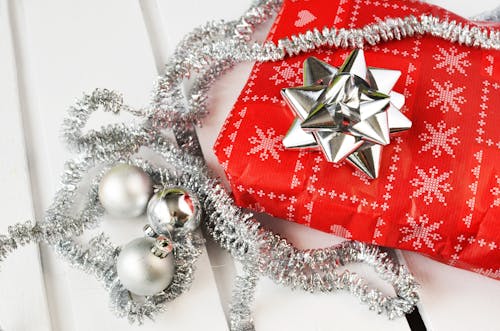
(438, 192)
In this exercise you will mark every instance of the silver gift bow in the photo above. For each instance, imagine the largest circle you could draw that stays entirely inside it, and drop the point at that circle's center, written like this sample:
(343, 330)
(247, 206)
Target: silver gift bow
(349, 112)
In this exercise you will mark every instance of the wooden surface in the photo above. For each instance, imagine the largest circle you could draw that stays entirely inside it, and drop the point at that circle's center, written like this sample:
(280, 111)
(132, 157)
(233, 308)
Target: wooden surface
(54, 50)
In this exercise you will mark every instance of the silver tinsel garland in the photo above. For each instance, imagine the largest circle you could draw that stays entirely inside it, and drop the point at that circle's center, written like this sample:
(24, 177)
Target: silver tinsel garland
(489, 16)
(205, 54)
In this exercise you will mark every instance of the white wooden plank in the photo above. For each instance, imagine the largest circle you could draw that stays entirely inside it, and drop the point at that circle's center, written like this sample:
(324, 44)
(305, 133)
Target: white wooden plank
(455, 299)
(466, 8)
(23, 303)
(75, 47)
(181, 17)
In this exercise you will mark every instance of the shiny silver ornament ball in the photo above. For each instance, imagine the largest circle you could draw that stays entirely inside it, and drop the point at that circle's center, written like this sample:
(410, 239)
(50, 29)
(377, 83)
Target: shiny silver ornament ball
(171, 208)
(124, 191)
(140, 271)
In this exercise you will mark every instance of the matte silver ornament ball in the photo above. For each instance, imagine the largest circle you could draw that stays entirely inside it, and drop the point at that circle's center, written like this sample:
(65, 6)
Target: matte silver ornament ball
(141, 271)
(124, 191)
(171, 208)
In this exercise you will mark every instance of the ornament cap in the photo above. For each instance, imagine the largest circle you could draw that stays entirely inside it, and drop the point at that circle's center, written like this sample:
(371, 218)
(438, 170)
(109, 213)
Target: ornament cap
(149, 231)
(162, 246)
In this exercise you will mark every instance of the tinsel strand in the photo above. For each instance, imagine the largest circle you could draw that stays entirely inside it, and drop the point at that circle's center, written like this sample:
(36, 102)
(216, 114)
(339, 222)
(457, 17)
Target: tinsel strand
(169, 104)
(489, 16)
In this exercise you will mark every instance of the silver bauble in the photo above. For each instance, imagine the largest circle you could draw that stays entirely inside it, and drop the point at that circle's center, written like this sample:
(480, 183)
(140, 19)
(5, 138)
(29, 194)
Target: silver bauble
(124, 191)
(171, 208)
(140, 271)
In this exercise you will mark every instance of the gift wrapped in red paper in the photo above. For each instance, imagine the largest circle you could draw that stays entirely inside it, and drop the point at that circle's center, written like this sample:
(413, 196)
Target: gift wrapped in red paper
(438, 191)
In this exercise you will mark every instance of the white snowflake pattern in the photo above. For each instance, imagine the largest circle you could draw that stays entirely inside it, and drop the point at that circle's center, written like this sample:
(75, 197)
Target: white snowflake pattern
(496, 193)
(268, 144)
(377, 233)
(489, 272)
(452, 60)
(362, 177)
(431, 185)
(420, 232)
(291, 74)
(340, 231)
(439, 139)
(446, 97)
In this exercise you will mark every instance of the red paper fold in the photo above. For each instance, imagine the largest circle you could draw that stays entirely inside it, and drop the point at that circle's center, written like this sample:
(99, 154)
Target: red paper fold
(438, 192)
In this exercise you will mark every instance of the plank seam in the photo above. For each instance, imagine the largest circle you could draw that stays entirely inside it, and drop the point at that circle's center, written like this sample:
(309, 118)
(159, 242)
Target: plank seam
(22, 68)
